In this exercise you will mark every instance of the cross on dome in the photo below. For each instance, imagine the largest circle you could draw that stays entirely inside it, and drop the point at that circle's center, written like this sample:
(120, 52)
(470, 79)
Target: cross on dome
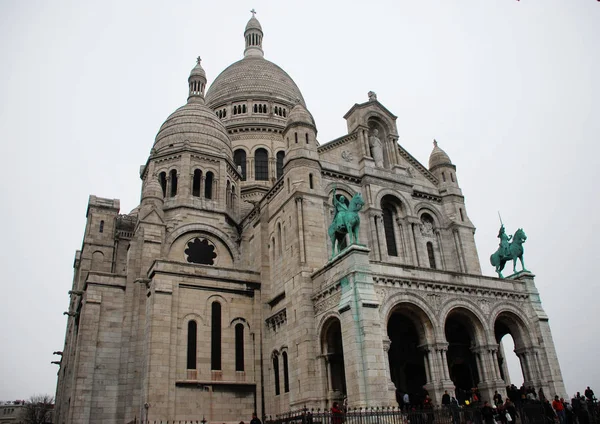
(253, 12)
(198, 60)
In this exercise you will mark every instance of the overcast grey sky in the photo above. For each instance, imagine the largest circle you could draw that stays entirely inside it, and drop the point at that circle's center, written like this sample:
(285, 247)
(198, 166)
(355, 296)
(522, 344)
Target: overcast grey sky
(508, 88)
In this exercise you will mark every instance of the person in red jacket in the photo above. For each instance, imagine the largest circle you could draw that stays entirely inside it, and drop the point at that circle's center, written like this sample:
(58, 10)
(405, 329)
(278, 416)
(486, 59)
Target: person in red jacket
(559, 408)
(336, 414)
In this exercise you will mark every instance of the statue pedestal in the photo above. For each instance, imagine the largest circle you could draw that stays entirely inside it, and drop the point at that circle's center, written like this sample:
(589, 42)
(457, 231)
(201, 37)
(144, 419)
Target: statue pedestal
(364, 355)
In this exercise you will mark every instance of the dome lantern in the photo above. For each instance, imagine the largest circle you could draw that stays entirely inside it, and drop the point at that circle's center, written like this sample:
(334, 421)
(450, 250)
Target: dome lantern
(197, 83)
(253, 35)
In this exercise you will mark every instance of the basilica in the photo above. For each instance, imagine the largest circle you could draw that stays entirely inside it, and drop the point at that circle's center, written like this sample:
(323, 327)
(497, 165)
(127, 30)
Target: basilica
(228, 290)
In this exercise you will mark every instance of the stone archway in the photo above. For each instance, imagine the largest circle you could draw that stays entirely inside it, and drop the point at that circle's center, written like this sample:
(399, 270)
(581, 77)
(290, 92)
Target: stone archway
(410, 332)
(464, 334)
(508, 323)
(333, 352)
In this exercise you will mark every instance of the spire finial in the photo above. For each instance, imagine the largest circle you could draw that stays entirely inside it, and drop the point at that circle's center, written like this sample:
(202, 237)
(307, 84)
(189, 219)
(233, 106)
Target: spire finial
(198, 60)
(434, 142)
(253, 12)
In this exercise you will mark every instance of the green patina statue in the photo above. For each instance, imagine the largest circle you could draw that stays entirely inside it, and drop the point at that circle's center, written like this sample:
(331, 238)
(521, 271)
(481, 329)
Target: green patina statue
(509, 250)
(345, 221)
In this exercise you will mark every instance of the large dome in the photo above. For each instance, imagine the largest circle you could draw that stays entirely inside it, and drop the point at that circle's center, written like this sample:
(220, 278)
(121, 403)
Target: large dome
(253, 77)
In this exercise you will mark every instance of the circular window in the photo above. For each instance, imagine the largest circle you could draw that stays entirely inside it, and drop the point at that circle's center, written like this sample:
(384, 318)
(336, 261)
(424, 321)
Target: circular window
(200, 251)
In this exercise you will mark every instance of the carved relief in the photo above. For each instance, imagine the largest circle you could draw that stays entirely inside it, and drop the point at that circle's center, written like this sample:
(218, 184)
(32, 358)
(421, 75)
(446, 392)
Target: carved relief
(347, 156)
(426, 226)
(381, 293)
(434, 300)
(327, 304)
(484, 304)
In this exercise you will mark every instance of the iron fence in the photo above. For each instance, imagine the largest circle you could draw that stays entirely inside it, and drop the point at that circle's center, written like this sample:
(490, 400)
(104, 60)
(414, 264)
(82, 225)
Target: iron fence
(525, 413)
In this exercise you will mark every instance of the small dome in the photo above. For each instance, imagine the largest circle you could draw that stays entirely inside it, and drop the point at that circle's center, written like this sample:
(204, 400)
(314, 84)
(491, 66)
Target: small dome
(253, 24)
(299, 114)
(196, 124)
(135, 211)
(438, 157)
(198, 70)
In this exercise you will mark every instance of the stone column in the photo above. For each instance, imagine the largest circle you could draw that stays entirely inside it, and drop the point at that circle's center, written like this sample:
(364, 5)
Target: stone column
(381, 235)
(458, 247)
(386, 349)
(413, 240)
(444, 362)
(365, 138)
(401, 241)
(361, 142)
(440, 248)
(376, 242)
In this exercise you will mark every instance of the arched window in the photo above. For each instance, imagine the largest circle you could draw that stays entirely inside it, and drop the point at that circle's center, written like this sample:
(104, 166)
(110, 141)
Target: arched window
(431, 255)
(208, 185)
(280, 156)
(191, 345)
(388, 227)
(276, 373)
(162, 180)
(235, 110)
(243, 108)
(232, 201)
(196, 183)
(255, 108)
(286, 378)
(443, 176)
(173, 175)
(306, 136)
(101, 229)
(452, 176)
(296, 137)
(261, 165)
(215, 337)
(462, 216)
(279, 239)
(239, 347)
(239, 157)
(284, 113)
(310, 181)
(228, 193)
(260, 109)
(273, 247)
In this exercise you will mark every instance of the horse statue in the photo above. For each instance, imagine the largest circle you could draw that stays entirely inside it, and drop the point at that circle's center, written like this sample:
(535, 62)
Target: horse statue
(510, 251)
(345, 221)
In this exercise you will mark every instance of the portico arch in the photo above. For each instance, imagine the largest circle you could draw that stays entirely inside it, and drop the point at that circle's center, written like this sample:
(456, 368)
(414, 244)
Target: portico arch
(332, 352)
(410, 331)
(509, 323)
(465, 334)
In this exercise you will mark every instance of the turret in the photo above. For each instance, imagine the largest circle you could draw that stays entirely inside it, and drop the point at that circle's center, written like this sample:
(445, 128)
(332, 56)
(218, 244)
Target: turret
(442, 167)
(300, 136)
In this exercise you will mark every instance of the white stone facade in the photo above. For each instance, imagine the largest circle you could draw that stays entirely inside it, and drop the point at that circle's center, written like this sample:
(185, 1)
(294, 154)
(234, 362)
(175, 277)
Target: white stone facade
(217, 296)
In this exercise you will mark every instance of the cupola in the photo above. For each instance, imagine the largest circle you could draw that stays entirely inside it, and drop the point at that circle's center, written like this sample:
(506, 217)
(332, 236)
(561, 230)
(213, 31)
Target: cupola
(197, 83)
(253, 35)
